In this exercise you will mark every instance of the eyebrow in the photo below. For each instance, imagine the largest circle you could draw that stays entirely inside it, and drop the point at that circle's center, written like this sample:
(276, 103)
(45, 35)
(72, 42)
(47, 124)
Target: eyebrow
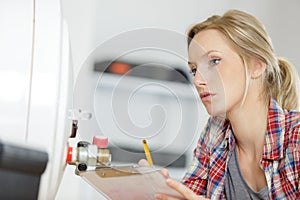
(208, 52)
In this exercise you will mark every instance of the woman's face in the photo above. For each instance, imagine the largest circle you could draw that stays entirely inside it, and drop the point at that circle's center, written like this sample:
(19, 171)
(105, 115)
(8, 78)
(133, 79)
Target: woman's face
(219, 72)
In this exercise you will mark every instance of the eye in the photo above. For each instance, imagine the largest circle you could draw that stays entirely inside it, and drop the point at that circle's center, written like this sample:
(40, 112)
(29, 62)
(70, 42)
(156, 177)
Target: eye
(193, 71)
(214, 61)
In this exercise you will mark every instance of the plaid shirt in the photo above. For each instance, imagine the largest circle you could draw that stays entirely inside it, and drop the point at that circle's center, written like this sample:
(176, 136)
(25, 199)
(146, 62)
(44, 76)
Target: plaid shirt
(280, 160)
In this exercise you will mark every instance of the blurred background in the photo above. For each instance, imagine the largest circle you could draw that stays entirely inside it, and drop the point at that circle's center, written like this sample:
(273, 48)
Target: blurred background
(122, 61)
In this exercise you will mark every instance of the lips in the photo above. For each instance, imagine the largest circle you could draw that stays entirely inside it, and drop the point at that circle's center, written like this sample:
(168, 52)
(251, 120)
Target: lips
(205, 96)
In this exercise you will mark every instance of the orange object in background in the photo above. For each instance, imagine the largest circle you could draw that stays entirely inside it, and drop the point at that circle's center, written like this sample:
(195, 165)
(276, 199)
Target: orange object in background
(119, 68)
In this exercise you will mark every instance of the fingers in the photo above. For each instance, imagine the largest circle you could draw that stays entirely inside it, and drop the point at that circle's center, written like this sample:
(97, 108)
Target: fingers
(179, 187)
(143, 163)
(164, 197)
(184, 190)
(165, 173)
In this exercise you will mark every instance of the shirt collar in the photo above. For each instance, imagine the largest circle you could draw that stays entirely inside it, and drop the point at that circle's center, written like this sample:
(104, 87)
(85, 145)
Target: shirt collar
(273, 147)
(274, 141)
(229, 140)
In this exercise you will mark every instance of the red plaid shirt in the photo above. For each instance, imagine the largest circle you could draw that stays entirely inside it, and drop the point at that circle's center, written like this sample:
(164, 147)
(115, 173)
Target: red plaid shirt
(280, 160)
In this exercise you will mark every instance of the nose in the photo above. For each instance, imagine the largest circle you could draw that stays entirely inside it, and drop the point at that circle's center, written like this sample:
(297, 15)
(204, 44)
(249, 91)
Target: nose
(199, 81)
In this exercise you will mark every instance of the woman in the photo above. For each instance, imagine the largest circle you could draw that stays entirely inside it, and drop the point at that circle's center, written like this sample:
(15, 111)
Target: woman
(249, 148)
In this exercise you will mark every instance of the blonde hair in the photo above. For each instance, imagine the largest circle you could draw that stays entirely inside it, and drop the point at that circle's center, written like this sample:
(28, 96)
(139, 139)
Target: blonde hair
(250, 39)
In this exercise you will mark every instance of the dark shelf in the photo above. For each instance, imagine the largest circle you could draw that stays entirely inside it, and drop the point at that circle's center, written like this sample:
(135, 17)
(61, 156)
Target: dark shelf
(155, 71)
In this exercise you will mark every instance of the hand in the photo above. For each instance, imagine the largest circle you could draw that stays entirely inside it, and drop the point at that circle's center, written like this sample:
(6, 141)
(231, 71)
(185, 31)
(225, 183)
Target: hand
(182, 189)
(143, 163)
(179, 187)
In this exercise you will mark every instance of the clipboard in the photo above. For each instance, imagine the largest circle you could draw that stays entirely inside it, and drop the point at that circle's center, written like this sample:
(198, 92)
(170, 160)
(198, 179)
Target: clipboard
(128, 182)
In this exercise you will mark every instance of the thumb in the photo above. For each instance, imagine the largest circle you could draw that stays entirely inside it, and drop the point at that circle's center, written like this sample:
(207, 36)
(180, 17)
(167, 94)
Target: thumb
(143, 163)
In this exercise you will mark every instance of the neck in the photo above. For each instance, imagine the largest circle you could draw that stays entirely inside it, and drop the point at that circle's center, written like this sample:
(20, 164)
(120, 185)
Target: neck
(249, 124)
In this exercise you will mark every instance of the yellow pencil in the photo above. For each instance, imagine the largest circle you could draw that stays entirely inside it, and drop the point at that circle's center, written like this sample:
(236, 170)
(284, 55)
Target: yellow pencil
(147, 153)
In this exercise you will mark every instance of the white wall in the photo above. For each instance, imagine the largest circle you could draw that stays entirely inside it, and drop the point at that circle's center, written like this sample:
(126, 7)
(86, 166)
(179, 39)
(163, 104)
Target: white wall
(34, 82)
(92, 22)
(16, 42)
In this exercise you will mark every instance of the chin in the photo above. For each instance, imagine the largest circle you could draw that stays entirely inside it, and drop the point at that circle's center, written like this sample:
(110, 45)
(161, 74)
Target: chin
(215, 110)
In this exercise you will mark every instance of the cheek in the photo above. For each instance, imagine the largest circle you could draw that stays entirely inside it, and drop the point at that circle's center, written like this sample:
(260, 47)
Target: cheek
(215, 80)
(234, 84)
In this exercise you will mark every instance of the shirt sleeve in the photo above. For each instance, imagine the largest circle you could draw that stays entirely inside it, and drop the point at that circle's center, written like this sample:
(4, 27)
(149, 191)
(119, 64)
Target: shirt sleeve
(297, 157)
(197, 174)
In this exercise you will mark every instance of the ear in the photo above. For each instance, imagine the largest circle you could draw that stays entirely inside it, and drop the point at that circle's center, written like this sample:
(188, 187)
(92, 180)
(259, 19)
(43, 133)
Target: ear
(258, 67)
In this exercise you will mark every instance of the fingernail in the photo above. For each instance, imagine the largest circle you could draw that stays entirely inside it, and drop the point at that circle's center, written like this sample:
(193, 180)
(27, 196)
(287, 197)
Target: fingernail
(157, 196)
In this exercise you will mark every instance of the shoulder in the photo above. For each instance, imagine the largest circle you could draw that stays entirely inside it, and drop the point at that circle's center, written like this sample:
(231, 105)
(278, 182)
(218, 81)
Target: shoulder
(292, 140)
(292, 128)
(292, 119)
(285, 124)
